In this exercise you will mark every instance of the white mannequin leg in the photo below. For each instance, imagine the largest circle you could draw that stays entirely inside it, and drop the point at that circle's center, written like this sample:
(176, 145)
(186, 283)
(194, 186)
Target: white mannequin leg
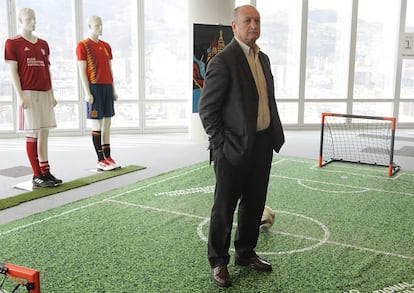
(33, 134)
(43, 154)
(96, 124)
(106, 129)
(42, 145)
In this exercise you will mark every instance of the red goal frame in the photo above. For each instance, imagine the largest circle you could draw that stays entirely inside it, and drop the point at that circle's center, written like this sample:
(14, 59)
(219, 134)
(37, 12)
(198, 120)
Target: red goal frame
(392, 167)
(27, 277)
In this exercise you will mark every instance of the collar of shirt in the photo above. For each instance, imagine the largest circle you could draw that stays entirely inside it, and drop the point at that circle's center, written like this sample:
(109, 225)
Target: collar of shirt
(246, 49)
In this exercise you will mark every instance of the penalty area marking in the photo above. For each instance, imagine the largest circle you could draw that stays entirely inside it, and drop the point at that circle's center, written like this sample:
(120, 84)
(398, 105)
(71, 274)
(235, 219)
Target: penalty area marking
(301, 183)
(363, 189)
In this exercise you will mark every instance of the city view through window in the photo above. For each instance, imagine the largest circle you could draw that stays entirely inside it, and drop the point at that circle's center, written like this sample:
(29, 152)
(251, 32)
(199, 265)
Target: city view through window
(334, 62)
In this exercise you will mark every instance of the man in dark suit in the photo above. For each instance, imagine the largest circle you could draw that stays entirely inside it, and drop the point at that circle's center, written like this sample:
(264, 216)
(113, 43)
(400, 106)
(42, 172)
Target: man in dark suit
(239, 114)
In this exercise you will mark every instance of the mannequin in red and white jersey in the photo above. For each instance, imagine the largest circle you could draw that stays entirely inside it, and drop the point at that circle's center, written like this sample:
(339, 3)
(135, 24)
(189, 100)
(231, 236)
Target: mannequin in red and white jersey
(28, 59)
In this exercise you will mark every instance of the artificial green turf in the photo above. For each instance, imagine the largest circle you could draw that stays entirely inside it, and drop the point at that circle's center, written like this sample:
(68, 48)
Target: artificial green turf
(337, 229)
(42, 192)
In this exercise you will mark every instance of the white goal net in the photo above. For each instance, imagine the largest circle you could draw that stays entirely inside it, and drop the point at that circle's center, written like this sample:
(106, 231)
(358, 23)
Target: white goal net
(358, 139)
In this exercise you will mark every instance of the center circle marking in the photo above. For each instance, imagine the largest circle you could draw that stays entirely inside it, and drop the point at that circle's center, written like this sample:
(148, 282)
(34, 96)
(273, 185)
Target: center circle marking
(319, 243)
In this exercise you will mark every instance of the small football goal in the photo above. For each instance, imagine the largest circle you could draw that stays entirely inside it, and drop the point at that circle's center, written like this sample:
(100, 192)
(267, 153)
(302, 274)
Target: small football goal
(358, 139)
(19, 277)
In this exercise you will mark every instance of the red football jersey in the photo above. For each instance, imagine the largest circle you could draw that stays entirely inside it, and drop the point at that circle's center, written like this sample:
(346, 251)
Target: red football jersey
(97, 56)
(32, 62)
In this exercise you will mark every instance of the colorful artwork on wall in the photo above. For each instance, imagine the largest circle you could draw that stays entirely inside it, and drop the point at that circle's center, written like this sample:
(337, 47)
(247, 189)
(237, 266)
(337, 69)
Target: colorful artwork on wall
(209, 40)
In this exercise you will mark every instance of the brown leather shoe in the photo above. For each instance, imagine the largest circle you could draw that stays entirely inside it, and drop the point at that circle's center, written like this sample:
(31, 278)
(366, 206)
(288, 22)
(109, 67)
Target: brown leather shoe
(221, 276)
(255, 263)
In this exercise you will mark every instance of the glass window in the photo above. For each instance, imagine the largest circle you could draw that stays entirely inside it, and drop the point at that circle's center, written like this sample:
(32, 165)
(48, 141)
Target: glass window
(166, 55)
(313, 110)
(406, 112)
(288, 112)
(166, 61)
(165, 114)
(6, 117)
(409, 19)
(380, 109)
(127, 115)
(6, 109)
(328, 49)
(407, 78)
(242, 2)
(67, 115)
(280, 39)
(5, 82)
(375, 50)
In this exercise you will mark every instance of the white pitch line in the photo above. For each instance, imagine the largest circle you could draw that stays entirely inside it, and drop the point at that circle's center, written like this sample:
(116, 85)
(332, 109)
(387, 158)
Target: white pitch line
(331, 191)
(97, 202)
(342, 185)
(204, 189)
(156, 209)
(325, 240)
(157, 182)
(316, 167)
(372, 250)
(111, 199)
(346, 245)
(394, 177)
(279, 161)
(50, 218)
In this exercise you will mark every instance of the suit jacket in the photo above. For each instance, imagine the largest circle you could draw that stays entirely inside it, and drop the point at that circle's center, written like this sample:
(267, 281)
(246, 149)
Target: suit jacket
(229, 103)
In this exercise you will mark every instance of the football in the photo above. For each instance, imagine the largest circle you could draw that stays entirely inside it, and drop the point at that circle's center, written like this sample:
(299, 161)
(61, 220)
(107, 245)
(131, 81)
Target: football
(268, 218)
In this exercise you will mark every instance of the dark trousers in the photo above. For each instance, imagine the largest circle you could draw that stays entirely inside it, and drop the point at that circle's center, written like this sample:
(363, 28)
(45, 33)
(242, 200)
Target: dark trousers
(247, 183)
